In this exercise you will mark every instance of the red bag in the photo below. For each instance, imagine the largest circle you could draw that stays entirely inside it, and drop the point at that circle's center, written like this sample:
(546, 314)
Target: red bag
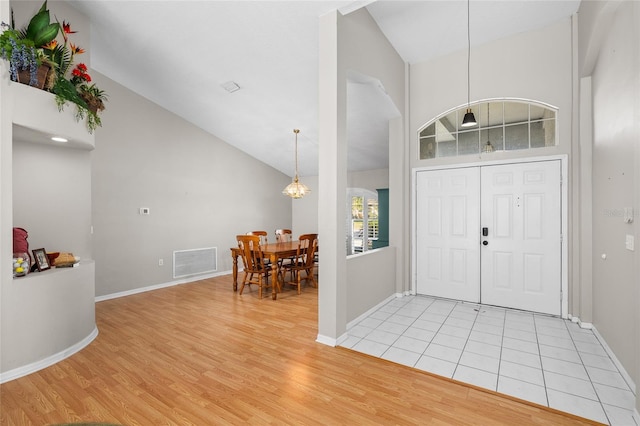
(20, 243)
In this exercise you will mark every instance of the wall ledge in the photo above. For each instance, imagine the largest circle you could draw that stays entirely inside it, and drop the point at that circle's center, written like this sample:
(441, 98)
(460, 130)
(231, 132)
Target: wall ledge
(50, 360)
(36, 117)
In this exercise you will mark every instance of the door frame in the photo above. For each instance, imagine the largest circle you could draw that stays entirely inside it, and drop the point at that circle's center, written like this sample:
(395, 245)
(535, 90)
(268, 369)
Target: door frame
(564, 217)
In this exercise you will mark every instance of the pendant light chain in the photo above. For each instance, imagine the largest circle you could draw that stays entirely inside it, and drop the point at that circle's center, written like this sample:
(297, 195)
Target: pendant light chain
(469, 119)
(296, 131)
(468, 54)
(296, 189)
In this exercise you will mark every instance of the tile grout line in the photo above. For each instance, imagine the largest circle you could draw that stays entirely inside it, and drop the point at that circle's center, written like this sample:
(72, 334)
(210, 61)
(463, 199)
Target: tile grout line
(504, 327)
(434, 334)
(465, 342)
(588, 375)
(544, 378)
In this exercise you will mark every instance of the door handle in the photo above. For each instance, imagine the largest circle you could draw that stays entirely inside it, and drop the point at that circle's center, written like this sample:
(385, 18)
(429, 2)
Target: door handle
(485, 232)
(485, 243)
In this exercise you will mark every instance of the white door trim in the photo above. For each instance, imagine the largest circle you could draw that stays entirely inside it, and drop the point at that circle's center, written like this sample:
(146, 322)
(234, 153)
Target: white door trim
(564, 195)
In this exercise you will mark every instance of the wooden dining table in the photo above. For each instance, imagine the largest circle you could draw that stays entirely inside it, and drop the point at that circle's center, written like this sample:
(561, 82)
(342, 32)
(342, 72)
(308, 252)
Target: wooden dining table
(273, 251)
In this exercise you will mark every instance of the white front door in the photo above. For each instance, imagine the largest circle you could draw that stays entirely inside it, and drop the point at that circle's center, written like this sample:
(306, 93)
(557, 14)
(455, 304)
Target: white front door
(447, 223)
(517, 264)
(522, 257)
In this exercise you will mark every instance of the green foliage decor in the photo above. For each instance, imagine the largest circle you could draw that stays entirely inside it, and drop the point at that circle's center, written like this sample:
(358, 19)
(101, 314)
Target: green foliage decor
(37, 45)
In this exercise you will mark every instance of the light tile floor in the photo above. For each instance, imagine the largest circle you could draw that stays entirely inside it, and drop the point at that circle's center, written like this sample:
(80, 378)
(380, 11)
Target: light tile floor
(535, 357)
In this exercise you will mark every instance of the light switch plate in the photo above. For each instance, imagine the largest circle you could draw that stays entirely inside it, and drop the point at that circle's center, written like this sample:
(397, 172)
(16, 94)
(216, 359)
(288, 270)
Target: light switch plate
(628, 215)
(630, 242)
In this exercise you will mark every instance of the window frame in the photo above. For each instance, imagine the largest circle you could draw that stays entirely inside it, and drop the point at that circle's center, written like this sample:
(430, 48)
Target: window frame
(494, 122)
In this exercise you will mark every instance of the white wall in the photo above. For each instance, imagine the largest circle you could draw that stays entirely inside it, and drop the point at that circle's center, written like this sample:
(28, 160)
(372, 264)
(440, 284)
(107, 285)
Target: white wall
(347, 43)
(370, 277)
(45, 178)
(610, 33)
(305, 210)
(46, 190)
(369, 179)
(201, 192)
(6, 173)
(6, 188)
(536, 65)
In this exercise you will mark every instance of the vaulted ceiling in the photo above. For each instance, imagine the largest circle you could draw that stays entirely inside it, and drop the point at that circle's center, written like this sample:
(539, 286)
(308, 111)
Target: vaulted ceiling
(179, 54)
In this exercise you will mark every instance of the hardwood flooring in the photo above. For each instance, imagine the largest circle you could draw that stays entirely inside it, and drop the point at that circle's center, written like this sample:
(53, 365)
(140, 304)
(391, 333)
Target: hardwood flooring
(200, 354)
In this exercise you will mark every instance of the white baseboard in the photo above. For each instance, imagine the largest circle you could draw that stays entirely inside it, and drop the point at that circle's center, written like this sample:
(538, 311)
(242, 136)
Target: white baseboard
(341, 339)
(625, 375)
(336, 342)
(48, 361)
(326, 340)
(372, 310)
(162, 285)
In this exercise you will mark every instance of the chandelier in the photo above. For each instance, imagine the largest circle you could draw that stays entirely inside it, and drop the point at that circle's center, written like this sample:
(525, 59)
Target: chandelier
(296, 189)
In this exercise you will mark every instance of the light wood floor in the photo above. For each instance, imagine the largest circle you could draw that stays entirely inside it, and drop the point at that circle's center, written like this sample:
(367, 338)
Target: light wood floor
(199, 354)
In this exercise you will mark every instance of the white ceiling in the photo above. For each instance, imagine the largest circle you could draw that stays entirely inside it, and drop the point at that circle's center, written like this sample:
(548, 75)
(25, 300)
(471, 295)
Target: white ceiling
(177, 53)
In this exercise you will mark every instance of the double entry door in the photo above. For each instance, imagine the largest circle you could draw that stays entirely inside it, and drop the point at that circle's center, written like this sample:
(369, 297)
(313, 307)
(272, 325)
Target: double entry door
(491, 235)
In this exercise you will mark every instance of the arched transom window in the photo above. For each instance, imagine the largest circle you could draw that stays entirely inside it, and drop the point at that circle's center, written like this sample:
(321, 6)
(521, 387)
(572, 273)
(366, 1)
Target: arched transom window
(502, 125)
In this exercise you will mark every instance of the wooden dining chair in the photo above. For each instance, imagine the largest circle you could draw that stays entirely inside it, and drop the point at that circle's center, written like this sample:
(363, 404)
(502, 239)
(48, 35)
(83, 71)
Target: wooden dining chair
(264, 240)
(253, 261)
(304, 261)
(283, 235)
(263, 236)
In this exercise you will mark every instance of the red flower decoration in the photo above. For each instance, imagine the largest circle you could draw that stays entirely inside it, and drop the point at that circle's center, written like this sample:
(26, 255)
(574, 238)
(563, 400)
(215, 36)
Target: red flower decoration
(80, 73)
(66, 27)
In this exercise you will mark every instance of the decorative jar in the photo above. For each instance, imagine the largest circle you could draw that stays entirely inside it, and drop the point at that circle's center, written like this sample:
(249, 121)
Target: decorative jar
(21, 264)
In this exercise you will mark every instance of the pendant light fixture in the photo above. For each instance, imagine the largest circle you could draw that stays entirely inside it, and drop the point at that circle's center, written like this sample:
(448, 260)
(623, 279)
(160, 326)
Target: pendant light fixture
(469, 119)
(296, 189)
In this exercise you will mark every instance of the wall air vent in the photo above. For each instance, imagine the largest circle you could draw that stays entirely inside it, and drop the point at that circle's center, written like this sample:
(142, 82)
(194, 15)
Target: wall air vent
(195, 261)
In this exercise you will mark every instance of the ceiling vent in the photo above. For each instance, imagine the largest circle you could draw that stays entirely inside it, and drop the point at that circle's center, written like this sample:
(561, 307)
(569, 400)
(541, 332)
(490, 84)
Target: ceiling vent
(230, 86)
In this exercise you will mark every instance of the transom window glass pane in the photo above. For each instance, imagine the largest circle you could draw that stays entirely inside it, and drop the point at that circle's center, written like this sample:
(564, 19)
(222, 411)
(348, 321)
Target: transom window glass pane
(507, 125)
(495, 136)
(543, 133)
(449, 123)
(515, 112)
(468, 143)
(539, 113)
(430, 130)
(517, 136)
(446, 149)
(427, 148)
(496, 114)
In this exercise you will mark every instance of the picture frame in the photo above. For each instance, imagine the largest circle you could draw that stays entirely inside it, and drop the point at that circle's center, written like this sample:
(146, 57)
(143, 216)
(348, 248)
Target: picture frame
(42, 261)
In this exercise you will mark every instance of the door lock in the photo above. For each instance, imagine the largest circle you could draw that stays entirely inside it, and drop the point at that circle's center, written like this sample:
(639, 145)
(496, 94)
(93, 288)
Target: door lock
(485, 232)
(485, 243)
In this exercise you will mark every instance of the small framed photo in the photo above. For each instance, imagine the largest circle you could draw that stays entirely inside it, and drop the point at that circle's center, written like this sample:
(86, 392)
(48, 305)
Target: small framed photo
(42, 261)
